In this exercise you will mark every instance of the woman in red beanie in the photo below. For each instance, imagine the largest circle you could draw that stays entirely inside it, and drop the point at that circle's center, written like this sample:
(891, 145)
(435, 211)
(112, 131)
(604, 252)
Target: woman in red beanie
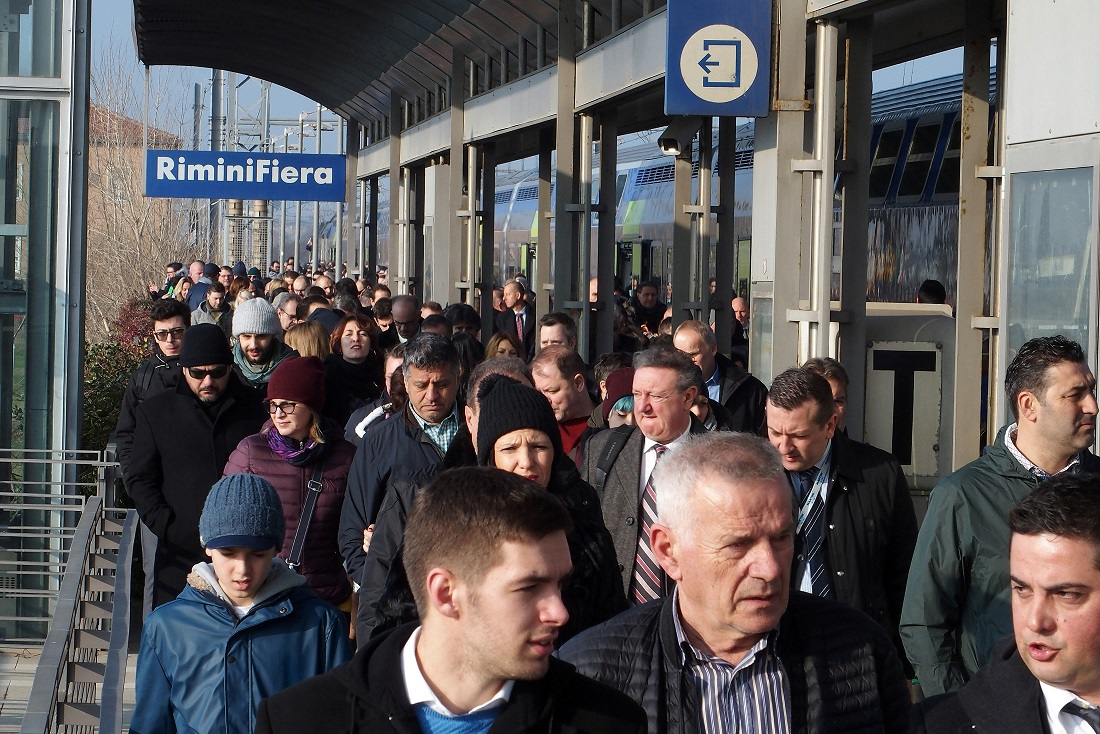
(295, 447)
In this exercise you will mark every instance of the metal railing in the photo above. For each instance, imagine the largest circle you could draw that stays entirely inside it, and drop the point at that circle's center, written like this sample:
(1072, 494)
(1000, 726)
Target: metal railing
(65, 562)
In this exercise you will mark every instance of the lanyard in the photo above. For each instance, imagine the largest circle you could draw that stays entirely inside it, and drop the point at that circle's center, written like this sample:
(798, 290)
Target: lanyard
(811, 497)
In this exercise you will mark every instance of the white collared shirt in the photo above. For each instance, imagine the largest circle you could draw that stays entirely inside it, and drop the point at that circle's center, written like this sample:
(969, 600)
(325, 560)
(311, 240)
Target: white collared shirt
(649, 457)
(418, 690)
(1058, 721)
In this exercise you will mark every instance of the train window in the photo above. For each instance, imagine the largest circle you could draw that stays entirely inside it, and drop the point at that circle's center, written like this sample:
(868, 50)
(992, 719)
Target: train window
(882, 169)
(948, 181)
(917, 163)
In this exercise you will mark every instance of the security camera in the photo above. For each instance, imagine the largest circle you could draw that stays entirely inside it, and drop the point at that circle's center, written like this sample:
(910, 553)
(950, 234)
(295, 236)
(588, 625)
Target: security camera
(677, 137)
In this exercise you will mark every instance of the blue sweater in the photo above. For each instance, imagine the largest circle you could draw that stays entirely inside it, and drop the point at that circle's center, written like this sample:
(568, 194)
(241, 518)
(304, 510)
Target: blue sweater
(436, 723)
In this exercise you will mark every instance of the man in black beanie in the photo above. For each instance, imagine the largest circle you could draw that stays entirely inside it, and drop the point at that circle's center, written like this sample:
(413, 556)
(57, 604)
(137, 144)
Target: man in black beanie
(182, 441)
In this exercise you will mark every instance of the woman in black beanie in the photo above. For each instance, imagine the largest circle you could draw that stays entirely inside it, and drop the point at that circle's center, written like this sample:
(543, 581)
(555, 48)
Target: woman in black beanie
(517, 432)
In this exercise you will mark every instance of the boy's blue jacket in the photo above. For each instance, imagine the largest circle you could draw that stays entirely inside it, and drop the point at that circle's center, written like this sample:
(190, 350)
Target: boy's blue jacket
(201, 669)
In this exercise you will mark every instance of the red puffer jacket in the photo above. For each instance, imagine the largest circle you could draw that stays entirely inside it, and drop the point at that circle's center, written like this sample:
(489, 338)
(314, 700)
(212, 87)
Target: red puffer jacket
(322, 563)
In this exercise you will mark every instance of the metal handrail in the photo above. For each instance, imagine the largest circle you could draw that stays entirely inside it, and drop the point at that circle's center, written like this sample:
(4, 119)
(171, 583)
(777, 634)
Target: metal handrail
(113, 689)
(42, 706)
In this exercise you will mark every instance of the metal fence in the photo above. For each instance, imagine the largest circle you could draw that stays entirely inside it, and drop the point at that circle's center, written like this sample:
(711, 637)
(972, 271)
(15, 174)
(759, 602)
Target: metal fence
(65, 584)
(42, 494)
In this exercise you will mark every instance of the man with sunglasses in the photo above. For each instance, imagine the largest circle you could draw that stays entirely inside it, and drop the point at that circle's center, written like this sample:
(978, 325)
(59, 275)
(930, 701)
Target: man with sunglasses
(182, 440)
(159, 373)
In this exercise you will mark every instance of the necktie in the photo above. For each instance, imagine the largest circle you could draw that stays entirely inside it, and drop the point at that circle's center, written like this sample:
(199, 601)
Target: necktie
(649, 578)
(813, 535)
(519, 326)
(1090, 715)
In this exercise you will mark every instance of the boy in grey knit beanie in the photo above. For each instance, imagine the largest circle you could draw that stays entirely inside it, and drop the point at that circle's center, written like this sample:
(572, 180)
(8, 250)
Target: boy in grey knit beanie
(244, 627)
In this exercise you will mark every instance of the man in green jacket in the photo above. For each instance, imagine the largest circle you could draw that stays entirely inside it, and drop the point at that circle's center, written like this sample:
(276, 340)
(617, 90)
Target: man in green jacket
(957, 599)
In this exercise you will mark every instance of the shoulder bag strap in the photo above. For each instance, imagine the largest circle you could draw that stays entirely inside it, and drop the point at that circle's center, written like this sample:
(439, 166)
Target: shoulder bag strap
(314, 489)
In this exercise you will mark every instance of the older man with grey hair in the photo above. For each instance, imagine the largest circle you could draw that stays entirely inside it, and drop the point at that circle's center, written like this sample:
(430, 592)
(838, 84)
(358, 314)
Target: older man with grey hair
(732, 648)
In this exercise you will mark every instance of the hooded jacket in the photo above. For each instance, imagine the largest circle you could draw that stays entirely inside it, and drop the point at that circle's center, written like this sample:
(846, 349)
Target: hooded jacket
(957, 603)
(201, 669)
(368, 695)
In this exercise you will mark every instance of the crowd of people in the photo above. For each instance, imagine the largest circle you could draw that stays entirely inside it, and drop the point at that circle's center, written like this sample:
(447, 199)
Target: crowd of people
(514, 540)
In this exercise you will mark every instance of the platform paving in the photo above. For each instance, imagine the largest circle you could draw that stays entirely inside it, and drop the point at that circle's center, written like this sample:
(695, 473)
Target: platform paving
(17, 665)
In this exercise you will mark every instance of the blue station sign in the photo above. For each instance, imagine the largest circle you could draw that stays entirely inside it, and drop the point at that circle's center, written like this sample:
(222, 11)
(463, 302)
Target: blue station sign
(205, 174)
(718, 58)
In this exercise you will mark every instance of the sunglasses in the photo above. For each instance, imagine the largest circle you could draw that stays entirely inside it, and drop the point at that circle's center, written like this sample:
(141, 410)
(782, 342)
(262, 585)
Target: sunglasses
(200, 374)
(165, 334)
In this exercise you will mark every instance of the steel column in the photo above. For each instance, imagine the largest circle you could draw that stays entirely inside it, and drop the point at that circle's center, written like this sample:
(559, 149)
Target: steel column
(681, 237)
(488, 210)
(565, 226)
(606, 246)
(458, 203)
(542, 283)
(396, 244)
(351, 182)
(584, 211)
(853, 268)
(778, 192)
(970, 298)
(822, 197)
(725, 254)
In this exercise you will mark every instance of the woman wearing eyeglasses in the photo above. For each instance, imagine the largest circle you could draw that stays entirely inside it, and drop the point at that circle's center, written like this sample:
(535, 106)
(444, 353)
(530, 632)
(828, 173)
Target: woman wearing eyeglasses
(302, 454)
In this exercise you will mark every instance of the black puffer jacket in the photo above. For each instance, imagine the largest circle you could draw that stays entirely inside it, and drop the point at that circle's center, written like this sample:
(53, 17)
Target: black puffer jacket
(592, 595)
(843, 672)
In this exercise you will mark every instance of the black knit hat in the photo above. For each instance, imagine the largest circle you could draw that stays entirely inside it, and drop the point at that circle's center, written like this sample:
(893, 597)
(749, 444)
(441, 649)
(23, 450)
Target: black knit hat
(205, 344)
(505, 406)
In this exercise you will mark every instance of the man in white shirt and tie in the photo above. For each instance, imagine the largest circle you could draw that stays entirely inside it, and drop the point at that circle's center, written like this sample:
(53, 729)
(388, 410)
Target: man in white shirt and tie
(1045, 678)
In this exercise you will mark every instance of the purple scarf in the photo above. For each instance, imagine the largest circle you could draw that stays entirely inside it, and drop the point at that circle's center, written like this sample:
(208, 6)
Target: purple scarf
(295, 453)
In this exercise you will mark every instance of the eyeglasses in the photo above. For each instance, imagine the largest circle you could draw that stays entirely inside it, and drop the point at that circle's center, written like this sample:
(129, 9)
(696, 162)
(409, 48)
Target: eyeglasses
(200, 374)
(164, 335)
(286, 407)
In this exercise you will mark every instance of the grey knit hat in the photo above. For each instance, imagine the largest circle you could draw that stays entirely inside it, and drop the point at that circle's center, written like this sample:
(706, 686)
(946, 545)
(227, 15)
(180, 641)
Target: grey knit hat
(255, 316)
(505, 405)
(242, 511)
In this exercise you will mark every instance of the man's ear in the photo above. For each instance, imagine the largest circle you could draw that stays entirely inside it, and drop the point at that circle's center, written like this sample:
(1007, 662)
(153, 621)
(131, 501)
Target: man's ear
(579, 383)
(1026, 404)
(444, 593)
(664, 544)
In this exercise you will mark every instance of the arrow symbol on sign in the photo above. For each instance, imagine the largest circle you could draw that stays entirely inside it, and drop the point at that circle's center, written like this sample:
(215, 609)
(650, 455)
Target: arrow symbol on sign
(706, 63)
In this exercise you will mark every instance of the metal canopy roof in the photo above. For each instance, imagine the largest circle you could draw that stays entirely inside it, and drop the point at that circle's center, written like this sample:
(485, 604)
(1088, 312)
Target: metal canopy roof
(350, 55)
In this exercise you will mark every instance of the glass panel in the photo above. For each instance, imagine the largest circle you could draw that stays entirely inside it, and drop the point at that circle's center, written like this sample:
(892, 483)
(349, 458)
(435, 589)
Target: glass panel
(919, 160)
(882, 170)
(760, 339)
(31, 38)
(1051, 255)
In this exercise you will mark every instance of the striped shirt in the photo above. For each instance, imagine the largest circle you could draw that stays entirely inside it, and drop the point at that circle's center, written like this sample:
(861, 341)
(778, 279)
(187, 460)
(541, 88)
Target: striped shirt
(752, 697)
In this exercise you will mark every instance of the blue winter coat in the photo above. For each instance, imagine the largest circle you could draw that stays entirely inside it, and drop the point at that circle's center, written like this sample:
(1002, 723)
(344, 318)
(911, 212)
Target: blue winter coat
(201, 669)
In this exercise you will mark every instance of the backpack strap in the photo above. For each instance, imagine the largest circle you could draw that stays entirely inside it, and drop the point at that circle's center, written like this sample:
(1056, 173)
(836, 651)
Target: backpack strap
(611, 451)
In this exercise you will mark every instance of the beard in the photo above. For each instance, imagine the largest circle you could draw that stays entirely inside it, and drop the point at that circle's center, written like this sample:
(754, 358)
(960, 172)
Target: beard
(265, 356)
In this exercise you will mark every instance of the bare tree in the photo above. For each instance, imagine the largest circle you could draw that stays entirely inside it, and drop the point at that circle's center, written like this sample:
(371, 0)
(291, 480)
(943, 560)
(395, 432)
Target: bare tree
(131, 237)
